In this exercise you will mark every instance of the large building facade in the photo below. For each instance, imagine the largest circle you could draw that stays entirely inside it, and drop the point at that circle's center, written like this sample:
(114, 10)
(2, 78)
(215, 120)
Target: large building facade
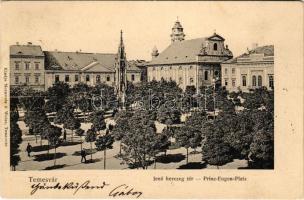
(27, 66)
(250, 70)
(39, 70)
(193, 62)
(79, 67)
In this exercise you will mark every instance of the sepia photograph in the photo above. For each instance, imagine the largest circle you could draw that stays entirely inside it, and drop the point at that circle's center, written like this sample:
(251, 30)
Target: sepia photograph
(149, 86)
(193, 104)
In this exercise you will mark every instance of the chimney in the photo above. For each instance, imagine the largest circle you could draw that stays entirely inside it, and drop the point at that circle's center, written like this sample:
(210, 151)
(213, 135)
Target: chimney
(29, 43)
(254, 46)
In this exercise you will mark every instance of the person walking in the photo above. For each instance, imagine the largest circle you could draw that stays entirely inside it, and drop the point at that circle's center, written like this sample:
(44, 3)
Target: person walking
(29, 149)
(64, 135)
(83, 155)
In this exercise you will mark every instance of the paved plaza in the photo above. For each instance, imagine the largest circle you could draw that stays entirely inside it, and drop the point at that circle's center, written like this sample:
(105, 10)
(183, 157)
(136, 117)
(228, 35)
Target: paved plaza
(68, 156)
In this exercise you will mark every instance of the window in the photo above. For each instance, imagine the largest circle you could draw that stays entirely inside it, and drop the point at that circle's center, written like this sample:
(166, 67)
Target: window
(67, 78)
(190, 67)
(16, 79)
(57, 78)
(191, 80)
(206, 75)
(233, 70)
(216, 73)
(226, 82)
(27, 66)
(244, 80)
(17, 66)
(170, 67)
(37, 79)
(36, 66)
(253, 81)
(259, 81)
(180, 80)
(108, 78)
(226, 71)
(271, 81)
(153, 68)
(215, 47)
(233, 82)
(76, 78)
(161, 68)
(27, 79)
(87, 78)
(98, 78)
(133, 77)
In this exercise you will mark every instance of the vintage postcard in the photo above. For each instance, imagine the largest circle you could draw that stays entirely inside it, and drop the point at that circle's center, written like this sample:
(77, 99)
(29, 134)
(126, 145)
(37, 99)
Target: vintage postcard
(151, 99)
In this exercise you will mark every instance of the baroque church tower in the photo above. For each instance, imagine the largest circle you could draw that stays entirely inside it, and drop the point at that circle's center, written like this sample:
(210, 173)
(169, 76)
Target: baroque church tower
(121, 73)
(177, 32)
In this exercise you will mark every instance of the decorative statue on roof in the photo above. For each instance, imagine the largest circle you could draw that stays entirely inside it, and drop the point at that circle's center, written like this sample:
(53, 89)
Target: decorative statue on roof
(203, 50)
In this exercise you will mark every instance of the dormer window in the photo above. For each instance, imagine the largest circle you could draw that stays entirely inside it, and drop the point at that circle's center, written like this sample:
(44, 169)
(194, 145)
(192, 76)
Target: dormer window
(215, 47)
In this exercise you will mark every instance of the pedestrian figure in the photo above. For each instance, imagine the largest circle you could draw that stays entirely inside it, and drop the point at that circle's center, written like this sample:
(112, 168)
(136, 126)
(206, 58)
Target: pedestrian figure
(29, 149)
(83, 155)
(64, 135)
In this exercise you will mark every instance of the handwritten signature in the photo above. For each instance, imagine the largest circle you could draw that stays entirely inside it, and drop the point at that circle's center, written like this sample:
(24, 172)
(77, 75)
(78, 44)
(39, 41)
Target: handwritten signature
(117, 191)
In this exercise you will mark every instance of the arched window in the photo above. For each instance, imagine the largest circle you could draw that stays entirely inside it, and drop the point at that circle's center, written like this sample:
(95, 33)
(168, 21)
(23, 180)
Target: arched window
(87, 78)
(216, 73)
(244, 80)
(254, 81)
(191, 80)
(215, 47)
(206, 75)
(180, 80)
(133, 77)
(98, 78)
(259, 81)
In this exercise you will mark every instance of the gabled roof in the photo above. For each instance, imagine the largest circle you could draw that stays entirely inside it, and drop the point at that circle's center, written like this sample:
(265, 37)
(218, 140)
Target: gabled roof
(216, 37)
(57, 60)
(180, 52)
(265, 51)
(26, 50)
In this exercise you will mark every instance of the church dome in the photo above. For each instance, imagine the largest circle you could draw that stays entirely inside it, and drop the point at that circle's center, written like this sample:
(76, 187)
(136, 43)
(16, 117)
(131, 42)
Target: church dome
(177, 25)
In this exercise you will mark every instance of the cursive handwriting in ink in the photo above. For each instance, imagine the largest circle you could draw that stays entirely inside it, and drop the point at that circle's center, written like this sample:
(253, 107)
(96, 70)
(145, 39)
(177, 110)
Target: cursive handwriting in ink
(124, 190)
(67, 186)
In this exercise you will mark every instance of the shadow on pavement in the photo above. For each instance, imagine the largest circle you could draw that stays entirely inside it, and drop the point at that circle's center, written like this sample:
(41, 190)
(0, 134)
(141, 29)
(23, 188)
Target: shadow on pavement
(41, 148)
(55, 167)
(193, 165)
(170, 158)
(69, 143)
(89, 161)
(50, 156)
(88, 152)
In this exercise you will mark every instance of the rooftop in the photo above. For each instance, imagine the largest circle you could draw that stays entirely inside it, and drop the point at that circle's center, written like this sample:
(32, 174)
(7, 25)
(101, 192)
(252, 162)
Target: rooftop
(186, 51)
(262, 53)
(26, 50)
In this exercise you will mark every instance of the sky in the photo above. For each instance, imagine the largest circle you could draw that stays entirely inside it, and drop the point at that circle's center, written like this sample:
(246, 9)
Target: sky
(95, 26)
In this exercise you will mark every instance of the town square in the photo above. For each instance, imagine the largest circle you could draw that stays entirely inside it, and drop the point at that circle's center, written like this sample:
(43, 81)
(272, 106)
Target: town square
(190, 103)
